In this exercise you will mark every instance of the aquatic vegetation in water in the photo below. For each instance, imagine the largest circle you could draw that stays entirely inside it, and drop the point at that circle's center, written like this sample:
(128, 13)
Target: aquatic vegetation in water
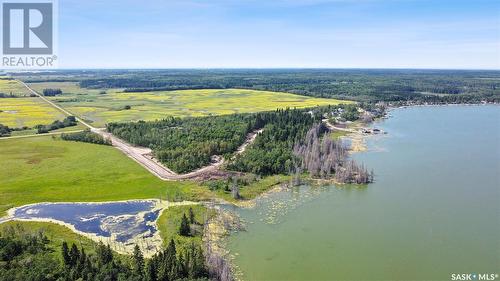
(272, 209)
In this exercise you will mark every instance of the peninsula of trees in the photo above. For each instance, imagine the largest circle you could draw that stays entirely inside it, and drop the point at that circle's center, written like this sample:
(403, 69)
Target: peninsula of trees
(285, 143)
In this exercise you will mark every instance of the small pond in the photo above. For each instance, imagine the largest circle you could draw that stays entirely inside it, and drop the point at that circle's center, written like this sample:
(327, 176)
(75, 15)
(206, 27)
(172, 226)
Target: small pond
(124, 220)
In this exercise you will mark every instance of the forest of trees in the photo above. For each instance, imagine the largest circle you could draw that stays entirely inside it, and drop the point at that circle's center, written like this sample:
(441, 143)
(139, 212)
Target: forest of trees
(30, 256)
(86, 136)
(272, 151)
(289, 139)
(186, 144)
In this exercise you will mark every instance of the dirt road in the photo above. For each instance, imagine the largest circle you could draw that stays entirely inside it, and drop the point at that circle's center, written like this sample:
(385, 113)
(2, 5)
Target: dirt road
(55, 105)
(40, 135)
(333, 127)
(144, 157)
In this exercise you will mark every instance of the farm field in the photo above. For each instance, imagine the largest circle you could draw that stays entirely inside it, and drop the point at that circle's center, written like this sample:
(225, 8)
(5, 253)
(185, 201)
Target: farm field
(13, 87)
(19, 112)
(100, 109)
(46, 169)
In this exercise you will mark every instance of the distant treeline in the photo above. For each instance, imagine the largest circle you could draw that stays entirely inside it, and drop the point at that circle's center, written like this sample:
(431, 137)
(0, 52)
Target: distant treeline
(170, 88)
(86, 136)
(52, 92)
(10, 95)
(433, 86)
(5, 130)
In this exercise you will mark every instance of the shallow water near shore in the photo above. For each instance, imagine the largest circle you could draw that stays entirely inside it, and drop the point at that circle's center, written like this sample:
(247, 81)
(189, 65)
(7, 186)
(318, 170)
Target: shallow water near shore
(434, 209)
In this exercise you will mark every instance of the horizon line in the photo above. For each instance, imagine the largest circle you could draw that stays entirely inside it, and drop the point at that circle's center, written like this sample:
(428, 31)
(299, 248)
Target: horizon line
(248, 68)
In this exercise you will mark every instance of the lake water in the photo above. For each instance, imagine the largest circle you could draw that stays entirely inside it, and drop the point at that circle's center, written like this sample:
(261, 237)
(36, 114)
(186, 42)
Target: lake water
(434, 209)
(126, 220)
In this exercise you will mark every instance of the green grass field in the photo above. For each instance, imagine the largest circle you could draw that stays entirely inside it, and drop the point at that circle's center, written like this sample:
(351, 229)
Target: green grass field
(19, 112)
(43, 169)
(100, 109)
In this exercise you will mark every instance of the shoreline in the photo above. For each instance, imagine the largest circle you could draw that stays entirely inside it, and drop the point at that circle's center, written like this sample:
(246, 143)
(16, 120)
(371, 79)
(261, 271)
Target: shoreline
(391, 107)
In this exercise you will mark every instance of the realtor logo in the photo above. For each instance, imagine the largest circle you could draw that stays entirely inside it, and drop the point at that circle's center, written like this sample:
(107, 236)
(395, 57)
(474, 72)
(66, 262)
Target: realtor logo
(28, 34)
(27, 28)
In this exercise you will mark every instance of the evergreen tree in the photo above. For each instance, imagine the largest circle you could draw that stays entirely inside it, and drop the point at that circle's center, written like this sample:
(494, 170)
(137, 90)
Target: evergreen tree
(74, 255)
(171, 260)
(191, 216)
(138, 261)
(65, 254)
(184, 229)
(104, 254)
(151, 269)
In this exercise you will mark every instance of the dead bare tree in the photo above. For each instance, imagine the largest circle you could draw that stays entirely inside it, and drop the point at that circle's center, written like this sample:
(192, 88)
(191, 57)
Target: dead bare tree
(235, 189)
(322, 157)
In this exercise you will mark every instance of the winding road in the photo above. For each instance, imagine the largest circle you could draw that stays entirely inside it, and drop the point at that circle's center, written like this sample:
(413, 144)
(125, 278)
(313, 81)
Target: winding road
(143, 155)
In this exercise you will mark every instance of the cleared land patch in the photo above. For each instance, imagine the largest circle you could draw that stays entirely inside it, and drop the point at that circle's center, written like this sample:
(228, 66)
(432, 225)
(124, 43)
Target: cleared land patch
(42, 169)
(99, 108)
(19, 112)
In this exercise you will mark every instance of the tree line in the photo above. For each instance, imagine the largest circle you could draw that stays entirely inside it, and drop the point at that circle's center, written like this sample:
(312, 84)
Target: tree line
(86, 136)
(67, 122)
(52, 92)
(30, 256)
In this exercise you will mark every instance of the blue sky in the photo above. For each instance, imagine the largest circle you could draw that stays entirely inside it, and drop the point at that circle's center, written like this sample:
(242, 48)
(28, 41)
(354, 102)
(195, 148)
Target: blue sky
(279, 33)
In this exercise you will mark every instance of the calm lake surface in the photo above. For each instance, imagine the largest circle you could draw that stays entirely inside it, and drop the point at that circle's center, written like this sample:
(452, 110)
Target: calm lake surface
(434, 209)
